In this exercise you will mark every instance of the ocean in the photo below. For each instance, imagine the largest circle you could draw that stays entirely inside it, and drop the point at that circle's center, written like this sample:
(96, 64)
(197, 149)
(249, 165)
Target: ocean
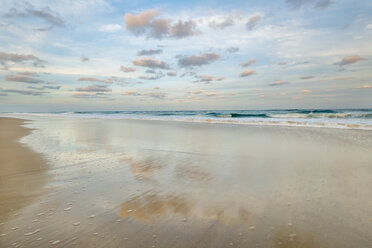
(329, 118)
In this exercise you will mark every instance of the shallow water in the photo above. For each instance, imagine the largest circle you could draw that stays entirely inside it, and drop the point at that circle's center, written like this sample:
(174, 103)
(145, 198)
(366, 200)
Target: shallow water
(129, 183)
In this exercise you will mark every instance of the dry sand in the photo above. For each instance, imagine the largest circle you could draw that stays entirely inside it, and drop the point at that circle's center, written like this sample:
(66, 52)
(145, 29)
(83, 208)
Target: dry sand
(116, 183)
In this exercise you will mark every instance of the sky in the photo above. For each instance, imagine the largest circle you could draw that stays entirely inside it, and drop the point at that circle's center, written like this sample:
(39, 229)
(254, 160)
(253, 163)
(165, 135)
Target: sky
(98, 55)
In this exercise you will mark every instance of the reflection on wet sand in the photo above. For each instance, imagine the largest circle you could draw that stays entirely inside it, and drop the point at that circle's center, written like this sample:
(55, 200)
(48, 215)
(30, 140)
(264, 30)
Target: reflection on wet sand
(149, 207)
(289, 237)
(159, 184)
(143, 170)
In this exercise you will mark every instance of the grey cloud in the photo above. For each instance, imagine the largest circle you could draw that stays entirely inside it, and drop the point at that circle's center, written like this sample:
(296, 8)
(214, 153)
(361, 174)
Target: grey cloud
(208, 79)
(229, 21)
(25, 92)
(278, 83)
(350, 60)
(316, 4)
(151, 77)
(43, 29)
(44, 87)
(247, 73)
(248, 63)
(159, 28)
(252, 22)
(45, 14)
(8, 58)
(183, 29)
(198, 60)
(23, 78)
(94, 88)
(90, 79)
(90, 95)
(126, 69)
(306, 77)
(151, 63)
(149, 52)
(84, 59)
(172, 74)
(158, 95)
(232, 49)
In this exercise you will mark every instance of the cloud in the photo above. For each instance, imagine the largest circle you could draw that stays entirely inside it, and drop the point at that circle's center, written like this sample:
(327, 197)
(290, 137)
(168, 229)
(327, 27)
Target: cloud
(44, 87)
(138, 23)
(350, 60)
(306, 91)
(25, 92)
(232, 49)
(7, 59)
(316, 4)
(23, 78)
(158, 95)
(252, 22)
(146, 23)
(307, 77)
(248, 63)
(368, 27)
(183, 29)
(278, 83)
(366, 86)
(94, 88)
(155, 77)
(282, 63)
(172, 74)
(90, 95)
(45, 14)
(198, 60)
(126, 69)
(159, 28)
(151, 63)
(229, 21)
(90, 79)
(43, 29)
(149, 52)
(110, 28)
(84, 59)
(247, 73)
(197, 92)
(208, 79)
(131, 93)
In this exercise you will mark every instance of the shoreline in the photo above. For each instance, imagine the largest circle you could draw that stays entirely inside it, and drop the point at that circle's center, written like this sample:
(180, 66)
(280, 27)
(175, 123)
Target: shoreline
(236, 121)
(21, 169)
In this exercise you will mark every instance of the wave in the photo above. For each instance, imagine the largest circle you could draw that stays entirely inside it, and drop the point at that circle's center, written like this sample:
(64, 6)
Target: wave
(354, 119)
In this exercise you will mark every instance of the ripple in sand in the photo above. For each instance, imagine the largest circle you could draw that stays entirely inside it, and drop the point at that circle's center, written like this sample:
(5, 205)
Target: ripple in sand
(56, 242)
(32, 233)
(3, 235)
(67, 209)
(76, 223)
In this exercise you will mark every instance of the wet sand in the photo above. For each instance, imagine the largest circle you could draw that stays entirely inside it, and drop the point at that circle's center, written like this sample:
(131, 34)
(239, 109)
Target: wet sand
(21, 169)
(117, 183)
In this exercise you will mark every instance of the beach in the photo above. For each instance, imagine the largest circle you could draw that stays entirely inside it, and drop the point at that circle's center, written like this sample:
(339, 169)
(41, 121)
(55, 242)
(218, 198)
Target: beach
(98, 182)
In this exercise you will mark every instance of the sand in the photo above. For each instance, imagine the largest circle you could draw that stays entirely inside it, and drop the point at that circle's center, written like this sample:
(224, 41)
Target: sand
(118, 183)
(21, 169)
